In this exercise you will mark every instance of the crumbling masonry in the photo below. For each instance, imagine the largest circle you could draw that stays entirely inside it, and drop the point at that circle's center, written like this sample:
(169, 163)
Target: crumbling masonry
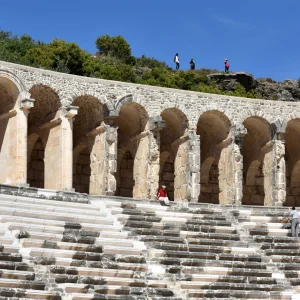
(66, 132)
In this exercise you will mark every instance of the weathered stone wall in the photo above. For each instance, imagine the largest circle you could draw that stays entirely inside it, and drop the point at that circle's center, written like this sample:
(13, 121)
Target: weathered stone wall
(235, 144)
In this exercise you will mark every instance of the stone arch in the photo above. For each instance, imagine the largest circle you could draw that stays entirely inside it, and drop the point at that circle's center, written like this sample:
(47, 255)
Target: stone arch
(171, 136)
(42, 123)
(130, 98)
(255, 113)
(214, 128)
(132, 121)
(13, 129)
(292, 158)
(88, 144)
(257, 161)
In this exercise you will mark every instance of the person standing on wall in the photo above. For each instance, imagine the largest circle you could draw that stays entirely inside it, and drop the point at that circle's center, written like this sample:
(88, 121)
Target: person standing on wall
(162, 196)
(177, 61)
(192, 64)
(294, 215)
(226, 65)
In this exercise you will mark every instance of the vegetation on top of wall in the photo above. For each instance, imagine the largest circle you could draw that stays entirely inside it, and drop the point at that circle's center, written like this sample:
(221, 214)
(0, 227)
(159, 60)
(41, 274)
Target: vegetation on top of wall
(113, 61)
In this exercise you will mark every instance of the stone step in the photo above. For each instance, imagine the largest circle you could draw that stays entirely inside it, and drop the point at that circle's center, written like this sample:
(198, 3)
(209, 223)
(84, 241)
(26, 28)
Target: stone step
(51, 208)
(262, 220)
(29, 293)
(280, 246)
(213, 278)
(217, 242)
(76, 280)
(65, 243)
(154, 206)
(66, 225)
(270, 232)
(166, 214)
(205, 255)
(13, 257)
(204, 248)
(132, 296)
(9, 248)
(19, 266)
(21, 284)
(21, 275)
(185, 227)
(275, 239)
(283, 252)
(41, 201)
(230, 286)
(182, 234)
(122, 289)
(67, 217)
(81, 255)
(172, 220)
(253, 225)
(84, 271)
(60, 230)
(220, 271)
(105, 261)
(238, 294)
(178, 262)
(284, 259)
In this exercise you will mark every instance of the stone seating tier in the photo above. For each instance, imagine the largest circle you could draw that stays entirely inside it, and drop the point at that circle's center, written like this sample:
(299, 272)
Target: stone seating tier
(114, 249)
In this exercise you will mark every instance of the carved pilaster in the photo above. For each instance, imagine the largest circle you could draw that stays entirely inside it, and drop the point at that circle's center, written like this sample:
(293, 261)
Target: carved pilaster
(239, 134)
(156, 124)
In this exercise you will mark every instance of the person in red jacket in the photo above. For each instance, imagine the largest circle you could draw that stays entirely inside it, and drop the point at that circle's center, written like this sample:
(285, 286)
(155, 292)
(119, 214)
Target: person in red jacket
(162, 195)
(226, 65)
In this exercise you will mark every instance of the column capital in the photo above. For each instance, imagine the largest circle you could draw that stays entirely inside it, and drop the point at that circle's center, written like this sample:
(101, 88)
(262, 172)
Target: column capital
(27, 103)
(156, 123)
(70, 111)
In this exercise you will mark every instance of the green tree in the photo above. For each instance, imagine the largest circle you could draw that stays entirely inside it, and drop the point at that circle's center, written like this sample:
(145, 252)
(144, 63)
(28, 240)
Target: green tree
(115, 46)
(59, 56)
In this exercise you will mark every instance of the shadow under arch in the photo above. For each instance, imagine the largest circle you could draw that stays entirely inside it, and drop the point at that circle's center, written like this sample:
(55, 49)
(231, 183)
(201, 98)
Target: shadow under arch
(88, 135)
(40, 123)
(292, 158)
(172, 162)
(214, 128)
(132, 123)
(12, 133)
(257, 161)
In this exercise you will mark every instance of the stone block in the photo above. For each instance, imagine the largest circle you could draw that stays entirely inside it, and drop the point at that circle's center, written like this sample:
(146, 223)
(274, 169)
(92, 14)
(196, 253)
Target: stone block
(125, 173)
(34, 154)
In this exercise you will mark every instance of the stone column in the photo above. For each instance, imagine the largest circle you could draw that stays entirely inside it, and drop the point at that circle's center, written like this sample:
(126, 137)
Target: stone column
(275, 168)
(20, 133)
(111, 152)
(59, 150)
(238, 140)
(194, 165)
(155, 126)
(13, 130)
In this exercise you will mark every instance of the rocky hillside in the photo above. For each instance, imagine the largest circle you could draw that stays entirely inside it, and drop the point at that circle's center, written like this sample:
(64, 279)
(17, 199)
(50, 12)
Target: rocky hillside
(265, 88)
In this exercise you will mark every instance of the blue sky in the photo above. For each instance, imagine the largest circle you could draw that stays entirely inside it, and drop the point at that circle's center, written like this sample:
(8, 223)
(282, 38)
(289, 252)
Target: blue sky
(258, 36)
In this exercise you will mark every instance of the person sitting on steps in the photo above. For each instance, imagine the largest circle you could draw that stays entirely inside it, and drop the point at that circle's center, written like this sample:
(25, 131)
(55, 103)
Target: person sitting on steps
(162, 196)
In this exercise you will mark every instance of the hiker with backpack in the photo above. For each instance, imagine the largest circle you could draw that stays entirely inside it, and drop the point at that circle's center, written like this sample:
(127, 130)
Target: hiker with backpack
(226, 65)
(177, 61)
